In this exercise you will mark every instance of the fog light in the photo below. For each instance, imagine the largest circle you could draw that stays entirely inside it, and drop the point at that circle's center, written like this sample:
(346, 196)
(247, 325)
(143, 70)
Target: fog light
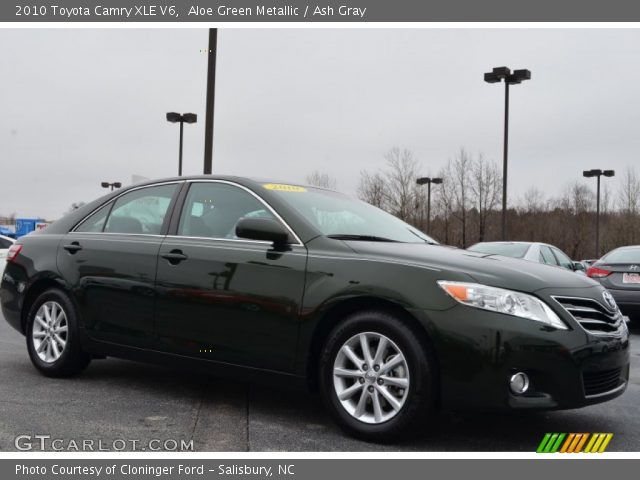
(519, 383)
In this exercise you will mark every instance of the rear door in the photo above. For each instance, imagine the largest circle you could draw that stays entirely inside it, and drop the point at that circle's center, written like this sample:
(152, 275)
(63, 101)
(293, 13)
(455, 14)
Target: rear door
(223, 298)
(109, 262)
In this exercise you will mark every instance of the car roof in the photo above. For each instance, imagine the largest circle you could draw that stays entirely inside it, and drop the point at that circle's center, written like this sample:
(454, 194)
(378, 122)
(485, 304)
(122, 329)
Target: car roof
(507, 242)
(230, 178)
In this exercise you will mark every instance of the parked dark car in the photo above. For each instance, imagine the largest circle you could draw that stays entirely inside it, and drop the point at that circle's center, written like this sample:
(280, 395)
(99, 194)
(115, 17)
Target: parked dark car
(531, 251)
(274, 281)
(619, 272)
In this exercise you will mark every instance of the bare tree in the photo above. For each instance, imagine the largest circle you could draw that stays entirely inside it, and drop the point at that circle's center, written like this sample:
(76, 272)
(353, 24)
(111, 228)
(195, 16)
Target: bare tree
(457, 177)
(533, 201)
(393, 189)
(444, 202)
(629, 205)
(402, 172)
(372, 189)
(629, 195)
(321, 179)
(485, 184)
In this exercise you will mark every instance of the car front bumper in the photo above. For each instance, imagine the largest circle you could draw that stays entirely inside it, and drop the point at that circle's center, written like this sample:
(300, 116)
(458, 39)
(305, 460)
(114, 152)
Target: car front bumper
(478, 351)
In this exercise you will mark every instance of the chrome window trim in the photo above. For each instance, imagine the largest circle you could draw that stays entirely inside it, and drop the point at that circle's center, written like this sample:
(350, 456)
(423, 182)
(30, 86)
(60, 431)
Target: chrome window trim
(225, 239)
(114, 199)
(257, 197)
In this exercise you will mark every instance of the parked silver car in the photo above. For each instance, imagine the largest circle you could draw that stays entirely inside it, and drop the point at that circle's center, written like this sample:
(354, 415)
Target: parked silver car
(532, 251)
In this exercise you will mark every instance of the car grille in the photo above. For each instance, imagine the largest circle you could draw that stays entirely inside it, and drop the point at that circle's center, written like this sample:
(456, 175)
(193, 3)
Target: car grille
(601, 381)
(591, 314)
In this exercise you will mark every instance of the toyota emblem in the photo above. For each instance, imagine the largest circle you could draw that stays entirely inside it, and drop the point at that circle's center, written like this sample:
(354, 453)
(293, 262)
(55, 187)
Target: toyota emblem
(609, 300)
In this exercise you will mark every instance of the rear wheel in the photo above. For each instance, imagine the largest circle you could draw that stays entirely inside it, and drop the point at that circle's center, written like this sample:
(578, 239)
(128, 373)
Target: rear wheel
(376, 377)
(52, 336)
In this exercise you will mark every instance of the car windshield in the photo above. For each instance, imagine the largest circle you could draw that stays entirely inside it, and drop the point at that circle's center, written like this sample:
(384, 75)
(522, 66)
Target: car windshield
(622, 255)
(515, 250)
(342, 217)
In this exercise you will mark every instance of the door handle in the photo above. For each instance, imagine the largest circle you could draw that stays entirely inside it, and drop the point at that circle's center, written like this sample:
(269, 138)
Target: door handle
(174, 256)
(73, 247)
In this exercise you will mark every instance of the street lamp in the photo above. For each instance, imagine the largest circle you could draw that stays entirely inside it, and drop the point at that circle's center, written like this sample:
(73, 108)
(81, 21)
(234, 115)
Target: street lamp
(596, 172)
(428, 181)
(174, 117)
(112, 186)
(510, 78)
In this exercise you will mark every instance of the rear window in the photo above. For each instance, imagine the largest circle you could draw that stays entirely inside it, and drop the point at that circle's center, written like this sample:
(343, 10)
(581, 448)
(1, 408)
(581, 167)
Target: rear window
(622, 255)
(515, 250)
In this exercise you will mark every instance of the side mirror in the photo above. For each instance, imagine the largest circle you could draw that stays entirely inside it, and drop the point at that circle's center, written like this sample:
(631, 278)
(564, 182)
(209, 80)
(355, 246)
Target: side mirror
(578, 267)
(264, 229)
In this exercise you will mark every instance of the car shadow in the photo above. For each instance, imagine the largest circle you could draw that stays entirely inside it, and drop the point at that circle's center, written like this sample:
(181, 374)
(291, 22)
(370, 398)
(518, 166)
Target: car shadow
(290, 419)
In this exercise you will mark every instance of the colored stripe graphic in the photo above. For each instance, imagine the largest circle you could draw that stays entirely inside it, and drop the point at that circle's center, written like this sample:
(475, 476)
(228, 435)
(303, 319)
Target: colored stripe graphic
(574, 442)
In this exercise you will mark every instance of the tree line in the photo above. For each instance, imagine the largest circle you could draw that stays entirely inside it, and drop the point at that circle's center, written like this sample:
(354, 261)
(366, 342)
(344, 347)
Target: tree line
(466, 207)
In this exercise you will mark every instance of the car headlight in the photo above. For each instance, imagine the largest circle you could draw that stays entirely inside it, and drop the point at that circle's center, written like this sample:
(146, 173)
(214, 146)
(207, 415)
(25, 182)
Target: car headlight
(502, 301)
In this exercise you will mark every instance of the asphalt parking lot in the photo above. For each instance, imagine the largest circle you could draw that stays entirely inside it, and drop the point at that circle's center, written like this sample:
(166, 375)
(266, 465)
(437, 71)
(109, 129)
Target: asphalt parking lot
(115, 399)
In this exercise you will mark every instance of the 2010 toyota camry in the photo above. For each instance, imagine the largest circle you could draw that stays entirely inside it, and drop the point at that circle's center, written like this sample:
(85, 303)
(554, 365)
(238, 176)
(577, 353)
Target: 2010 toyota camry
(267, 280)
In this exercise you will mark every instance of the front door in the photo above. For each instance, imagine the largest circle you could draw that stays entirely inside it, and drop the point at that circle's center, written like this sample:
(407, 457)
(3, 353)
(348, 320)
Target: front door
(223, 298)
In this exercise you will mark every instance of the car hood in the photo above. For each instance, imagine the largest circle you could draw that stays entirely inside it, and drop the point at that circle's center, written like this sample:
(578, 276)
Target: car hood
(494, 270)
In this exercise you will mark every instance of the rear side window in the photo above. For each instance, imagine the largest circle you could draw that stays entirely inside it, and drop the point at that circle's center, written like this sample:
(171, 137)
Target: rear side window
(142, 211)
(547, 256)
(95, 222)
(622, 255)
(5, 243)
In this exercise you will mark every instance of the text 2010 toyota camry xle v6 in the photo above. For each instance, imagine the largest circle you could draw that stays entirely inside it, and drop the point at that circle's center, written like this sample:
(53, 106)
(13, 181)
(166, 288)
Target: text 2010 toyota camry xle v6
(244, 277)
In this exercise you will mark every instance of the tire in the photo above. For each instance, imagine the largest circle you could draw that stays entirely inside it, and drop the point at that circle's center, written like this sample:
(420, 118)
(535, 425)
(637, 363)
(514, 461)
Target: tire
(52, 320)
(408, 410)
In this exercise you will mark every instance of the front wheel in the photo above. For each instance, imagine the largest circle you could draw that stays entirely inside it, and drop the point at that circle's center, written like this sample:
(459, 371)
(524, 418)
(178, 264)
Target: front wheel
(52, 336)
(376, 377)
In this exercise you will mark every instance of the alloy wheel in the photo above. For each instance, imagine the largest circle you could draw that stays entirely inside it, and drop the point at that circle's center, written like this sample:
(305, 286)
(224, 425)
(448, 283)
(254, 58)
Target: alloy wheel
(371, 377)
(50, 331)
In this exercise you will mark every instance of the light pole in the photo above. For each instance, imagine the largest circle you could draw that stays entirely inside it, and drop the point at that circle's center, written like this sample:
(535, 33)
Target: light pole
(428, 181)
(174, 117)
(495, 76)
(596, 172)
(210, 100)
(110, 185)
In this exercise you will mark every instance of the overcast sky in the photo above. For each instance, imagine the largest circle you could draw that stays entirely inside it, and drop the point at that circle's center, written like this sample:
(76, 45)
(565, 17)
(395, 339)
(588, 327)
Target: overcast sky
(81, 106)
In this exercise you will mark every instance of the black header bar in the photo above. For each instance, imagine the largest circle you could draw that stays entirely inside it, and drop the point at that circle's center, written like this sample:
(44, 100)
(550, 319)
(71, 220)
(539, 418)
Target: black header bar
(328, 11)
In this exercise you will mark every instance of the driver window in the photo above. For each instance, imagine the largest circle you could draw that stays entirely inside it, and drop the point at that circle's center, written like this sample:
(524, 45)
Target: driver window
(212, 210)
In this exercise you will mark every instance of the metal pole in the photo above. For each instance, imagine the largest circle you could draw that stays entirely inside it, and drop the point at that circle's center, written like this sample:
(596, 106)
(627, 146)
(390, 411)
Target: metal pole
(211, 92)
(180, 153)
(504, 163)
(598, 220)
(428, 207)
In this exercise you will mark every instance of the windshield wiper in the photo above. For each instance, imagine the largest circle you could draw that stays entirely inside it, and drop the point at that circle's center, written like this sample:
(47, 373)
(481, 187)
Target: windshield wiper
(423, 239)
(363, 238)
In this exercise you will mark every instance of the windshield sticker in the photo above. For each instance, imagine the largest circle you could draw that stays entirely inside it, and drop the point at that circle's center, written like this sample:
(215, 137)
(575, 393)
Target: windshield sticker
(284, 188)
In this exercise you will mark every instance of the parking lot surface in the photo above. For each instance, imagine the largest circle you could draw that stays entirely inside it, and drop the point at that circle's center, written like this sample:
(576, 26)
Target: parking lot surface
(120, 403)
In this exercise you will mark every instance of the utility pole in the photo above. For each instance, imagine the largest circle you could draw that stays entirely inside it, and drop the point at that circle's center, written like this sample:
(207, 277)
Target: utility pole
(211, 93)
